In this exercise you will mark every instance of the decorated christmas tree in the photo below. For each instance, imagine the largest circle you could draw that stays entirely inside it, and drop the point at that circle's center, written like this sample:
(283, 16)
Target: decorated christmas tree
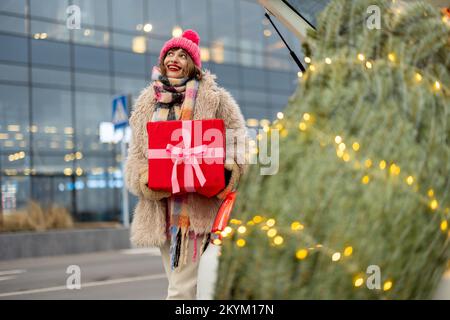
(359, 208)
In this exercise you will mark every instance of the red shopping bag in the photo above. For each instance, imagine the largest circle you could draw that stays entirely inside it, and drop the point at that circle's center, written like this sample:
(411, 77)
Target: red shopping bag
(223, 215)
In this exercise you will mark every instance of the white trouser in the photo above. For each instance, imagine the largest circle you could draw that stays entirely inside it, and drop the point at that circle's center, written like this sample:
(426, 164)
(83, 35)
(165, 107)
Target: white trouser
(195, 279)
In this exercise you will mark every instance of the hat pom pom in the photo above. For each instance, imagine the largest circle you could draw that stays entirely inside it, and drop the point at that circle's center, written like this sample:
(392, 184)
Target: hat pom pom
(191, 35)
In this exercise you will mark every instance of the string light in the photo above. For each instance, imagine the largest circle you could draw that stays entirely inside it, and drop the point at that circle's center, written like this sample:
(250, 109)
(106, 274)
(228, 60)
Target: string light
(365, 179)
(299, 74)
(278, 240)
(240, 243)
(336, 256)
(302, 126)
(346, 157)
(394, 169)
(301, 254)
(391, 57)
(242, 229)
(387, 285)
(312, 67)
(270, 222)
(272, 233)
(410, 180)
(437, 85)
(358, 282)
(418, 77)
(235, 221)
(434, 204)
(348, 251)
(217, 242)
(257, 219)
(295, 226)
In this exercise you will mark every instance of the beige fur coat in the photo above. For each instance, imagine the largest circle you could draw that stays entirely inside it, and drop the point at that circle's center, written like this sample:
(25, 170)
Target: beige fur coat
(149, 219)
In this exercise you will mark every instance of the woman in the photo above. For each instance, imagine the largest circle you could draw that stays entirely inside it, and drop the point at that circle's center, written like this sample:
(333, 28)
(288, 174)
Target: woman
(180, 225)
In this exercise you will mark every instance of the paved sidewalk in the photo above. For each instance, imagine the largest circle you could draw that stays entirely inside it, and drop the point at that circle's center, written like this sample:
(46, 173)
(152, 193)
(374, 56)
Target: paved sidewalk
(126, 274)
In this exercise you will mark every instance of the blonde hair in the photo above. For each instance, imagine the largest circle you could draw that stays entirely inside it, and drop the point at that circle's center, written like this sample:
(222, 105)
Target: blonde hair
(192, 70)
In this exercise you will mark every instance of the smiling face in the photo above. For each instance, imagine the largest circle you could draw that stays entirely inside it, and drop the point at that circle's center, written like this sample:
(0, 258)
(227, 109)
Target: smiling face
(176, 63)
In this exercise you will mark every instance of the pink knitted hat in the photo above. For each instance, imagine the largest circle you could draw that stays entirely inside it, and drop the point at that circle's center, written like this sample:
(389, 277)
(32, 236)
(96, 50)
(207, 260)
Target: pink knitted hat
(188, 41)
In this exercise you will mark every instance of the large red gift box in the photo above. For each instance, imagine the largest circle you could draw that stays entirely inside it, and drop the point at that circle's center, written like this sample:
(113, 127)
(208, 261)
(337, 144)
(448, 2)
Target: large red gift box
(186, 156)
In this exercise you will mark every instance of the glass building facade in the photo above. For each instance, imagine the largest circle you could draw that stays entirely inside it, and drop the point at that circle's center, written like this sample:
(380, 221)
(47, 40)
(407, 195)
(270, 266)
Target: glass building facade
(57, 85)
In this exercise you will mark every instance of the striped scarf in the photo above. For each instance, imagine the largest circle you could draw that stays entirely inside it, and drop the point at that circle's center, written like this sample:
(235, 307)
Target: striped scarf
(175, 101)
(175, 97)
